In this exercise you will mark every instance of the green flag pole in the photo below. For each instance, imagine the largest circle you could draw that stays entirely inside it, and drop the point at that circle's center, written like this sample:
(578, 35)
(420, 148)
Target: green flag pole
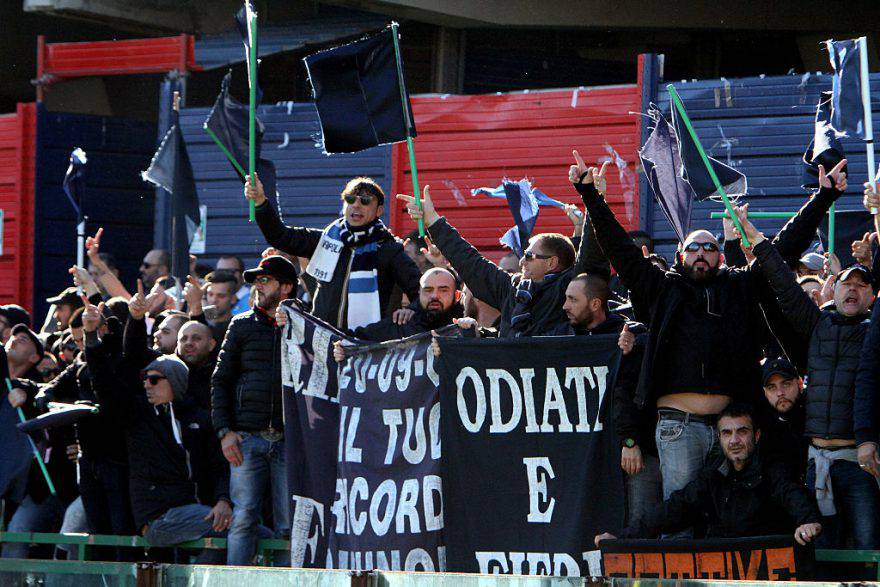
(223, 148)
(687, 122)
(33, 446)
(252, 110)
(831, 229)
(409, 142)
(716, 215)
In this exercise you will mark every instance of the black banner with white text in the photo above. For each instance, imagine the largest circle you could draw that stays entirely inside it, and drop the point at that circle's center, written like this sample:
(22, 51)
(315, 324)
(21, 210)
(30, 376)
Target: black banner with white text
(531, 467)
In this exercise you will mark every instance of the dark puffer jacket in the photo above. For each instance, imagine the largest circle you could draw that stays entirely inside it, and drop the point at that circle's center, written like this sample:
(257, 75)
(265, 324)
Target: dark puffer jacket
(246, 386)
(329, 300)
(835, 347)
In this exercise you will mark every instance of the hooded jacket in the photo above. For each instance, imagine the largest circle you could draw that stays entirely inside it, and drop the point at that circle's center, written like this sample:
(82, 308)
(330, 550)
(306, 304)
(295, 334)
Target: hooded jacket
(330, 299)
(162, 473)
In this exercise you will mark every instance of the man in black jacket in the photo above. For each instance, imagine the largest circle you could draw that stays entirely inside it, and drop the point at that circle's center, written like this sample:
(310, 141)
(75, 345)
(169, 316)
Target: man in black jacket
(738, 495)
(247, 410)
(179, 481)
(438, 305)
(835, 334)
(531, 301)
(783, 416)
(706, 325)
(355, 260)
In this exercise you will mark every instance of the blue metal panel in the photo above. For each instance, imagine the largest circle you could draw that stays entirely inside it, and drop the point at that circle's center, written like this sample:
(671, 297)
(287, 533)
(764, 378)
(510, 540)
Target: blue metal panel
(761, 126)
(309, 182)
(331, 24)
(116, 197)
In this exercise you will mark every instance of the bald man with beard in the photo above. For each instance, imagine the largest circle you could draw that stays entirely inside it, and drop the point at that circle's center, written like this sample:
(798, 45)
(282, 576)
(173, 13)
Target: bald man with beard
(706, 322)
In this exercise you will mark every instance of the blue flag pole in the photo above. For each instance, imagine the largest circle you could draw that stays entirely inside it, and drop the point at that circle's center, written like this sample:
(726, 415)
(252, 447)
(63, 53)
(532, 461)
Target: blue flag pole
(417, 192)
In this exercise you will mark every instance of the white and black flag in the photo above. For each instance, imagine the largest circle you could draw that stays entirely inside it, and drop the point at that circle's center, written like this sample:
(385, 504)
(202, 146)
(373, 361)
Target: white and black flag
(531, 467)
(363, 451)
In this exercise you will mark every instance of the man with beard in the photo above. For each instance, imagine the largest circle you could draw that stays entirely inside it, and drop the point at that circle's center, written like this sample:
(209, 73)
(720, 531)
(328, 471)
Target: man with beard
(247, 411)
(738, 495)
(355, 261)
(847, 494)
(706, 324)
(438, 305)
(783, 422)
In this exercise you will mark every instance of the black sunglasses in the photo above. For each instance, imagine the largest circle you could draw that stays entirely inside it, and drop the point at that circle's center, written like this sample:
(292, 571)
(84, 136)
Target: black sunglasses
(708, 247)
(351, 199)
(530, 256)
(154, 379)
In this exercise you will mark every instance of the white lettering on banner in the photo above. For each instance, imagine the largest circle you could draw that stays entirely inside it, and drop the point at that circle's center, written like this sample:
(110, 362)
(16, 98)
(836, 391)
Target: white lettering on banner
(480, 395)
(304, 510)
(579, 381)
(415, 428)
(495, 378)
(361, 366)
(404, 368)
(418, 501)
(397, 365)
(348, 426)
(291, 339)
(594, 562)
(557, 564)
(538, 471)
(417, 559)
(317, 386)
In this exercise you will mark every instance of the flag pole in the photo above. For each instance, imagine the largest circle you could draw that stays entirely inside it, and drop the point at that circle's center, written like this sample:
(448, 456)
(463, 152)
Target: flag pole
(687, 122)
(223, 148)
(717, 215)
(252, 109)
(865, 83)
(409, 142)
(174, 224)
(33, 446)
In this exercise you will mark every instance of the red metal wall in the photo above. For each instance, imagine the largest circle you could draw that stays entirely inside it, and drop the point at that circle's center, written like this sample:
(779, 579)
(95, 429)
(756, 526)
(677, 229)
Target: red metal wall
(468, 142)
(17, 148)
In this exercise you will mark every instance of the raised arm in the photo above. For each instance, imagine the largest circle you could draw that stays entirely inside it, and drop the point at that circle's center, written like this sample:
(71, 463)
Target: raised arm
(638, 274)
(800, 230)
(796, 305)
(106, 278)
(293, 240)
(486, 280)
(134, 340)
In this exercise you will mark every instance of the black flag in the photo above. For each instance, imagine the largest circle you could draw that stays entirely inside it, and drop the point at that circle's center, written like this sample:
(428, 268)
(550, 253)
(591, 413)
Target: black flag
(661, 161)
(243, 20)
(75, 180)
(847, 110)
(227, 123)
(825, 148)
(358, 94)
(849, 226)
(171, 170)
(694, 171)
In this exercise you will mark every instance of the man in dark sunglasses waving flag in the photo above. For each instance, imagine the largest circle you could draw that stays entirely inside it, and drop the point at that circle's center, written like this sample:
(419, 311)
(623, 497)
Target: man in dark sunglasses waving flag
(355, 261)
(707, 324)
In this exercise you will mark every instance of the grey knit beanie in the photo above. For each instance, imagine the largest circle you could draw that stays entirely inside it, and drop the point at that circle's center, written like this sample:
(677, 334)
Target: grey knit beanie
(174, 370)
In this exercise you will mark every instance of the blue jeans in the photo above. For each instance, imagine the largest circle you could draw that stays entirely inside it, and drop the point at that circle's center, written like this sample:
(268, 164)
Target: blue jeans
(264, 465)
(684, 448)
(644, 490)
(74, 523)
(857, 501)
(184, 523)
(33, 517)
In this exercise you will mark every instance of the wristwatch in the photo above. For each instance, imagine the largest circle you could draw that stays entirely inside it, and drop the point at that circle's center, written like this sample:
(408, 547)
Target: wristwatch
(223, 432)
(629, 443)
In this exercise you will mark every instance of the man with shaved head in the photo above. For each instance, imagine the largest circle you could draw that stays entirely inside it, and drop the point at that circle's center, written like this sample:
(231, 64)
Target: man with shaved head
(706, 322)
(196, 347)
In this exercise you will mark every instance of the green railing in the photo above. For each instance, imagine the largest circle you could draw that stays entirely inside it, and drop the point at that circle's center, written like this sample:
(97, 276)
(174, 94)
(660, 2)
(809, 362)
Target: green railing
(84, 542)
(849, 556)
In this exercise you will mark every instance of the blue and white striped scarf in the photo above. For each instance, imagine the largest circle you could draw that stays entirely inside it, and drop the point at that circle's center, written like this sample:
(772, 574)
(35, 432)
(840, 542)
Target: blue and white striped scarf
(363, 283)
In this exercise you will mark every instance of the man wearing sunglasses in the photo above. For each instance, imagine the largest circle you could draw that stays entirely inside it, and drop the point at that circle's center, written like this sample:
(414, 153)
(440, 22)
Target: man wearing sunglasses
(707, 324)
(355, 261)
(530, 301)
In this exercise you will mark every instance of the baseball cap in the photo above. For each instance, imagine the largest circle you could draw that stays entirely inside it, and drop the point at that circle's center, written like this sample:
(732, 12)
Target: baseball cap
(813, 261)
(15, 314)
(274, 265)
(856, 269)
(68, 296)
(38, 344)
(773, 367)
